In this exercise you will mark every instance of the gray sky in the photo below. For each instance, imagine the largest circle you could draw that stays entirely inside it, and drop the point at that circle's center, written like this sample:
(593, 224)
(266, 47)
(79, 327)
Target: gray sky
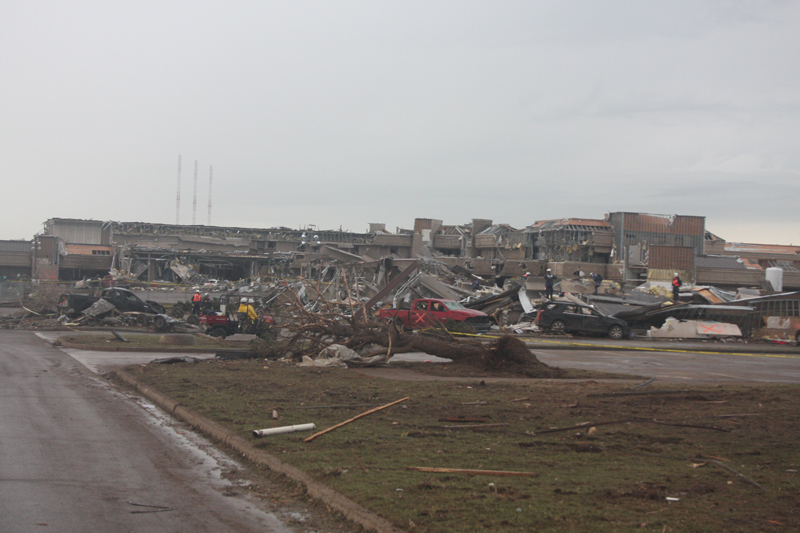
(342, 113)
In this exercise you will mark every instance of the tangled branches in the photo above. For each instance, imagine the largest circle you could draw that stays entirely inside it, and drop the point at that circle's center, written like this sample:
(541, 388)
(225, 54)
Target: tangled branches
(307, 333)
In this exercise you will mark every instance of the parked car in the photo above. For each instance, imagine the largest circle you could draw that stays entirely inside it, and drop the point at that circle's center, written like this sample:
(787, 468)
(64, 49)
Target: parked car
(426, 312)
(570, 317)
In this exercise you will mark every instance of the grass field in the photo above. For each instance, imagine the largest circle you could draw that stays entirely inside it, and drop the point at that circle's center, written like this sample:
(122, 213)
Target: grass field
(591, 456)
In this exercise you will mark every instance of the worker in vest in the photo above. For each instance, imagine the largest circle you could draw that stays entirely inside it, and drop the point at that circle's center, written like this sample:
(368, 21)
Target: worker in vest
(247, 315)
(241, 313)
(196, 299)
(676, 286)
(251, 311)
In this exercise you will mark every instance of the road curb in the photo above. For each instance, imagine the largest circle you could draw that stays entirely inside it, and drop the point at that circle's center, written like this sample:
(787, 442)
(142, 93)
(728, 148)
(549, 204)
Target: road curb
(166, 349)
(348, 508)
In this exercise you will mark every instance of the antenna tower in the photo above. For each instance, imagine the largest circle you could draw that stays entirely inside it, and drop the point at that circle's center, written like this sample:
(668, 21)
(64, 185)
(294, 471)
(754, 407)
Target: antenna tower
(210, 173)
(194, 203)
(178, 199)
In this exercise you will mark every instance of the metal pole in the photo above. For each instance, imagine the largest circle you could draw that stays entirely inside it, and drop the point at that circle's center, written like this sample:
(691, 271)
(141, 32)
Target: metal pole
(194, 202)
(210, 173)
(178, 199)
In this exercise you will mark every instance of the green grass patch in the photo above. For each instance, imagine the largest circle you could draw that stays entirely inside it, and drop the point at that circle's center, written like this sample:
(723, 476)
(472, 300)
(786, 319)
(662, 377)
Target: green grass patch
(615, 477)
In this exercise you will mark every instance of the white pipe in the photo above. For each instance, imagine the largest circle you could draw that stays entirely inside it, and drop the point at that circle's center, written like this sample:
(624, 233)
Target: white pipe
(283, 429)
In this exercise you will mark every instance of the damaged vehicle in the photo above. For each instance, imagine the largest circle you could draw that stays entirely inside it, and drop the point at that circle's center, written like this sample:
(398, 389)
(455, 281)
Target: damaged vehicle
(571, 317)
(123, 299)
(426, 312)
(226, 321)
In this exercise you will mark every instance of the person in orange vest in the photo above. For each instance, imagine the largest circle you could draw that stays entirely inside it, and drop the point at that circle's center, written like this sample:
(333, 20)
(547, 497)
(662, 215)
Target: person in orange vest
(676, 285)
(196, 299)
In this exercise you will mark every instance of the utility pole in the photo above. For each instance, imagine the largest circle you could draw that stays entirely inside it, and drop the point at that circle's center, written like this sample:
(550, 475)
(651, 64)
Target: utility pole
(210, 173)
(194, 203)
(178, 199)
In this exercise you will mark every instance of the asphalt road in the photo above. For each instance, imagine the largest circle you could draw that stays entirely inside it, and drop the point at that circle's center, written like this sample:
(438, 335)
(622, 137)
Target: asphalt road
(77, 455)
(682, 366)
(697, 362)
(667, 361)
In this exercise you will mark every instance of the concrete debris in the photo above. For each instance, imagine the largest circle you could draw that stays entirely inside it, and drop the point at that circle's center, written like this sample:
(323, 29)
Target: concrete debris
(100, 307)
(337, 355)
(694, 329)
(185, 272)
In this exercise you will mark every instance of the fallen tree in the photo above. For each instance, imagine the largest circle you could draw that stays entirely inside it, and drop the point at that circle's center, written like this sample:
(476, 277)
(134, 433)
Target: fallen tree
(307, 333)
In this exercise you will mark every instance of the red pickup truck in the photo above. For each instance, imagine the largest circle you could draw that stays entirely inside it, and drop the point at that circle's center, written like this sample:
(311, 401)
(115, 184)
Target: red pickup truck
(426, 312)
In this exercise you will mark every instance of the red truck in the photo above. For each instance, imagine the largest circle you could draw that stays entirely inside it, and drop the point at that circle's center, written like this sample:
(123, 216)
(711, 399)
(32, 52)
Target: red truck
(426, 312)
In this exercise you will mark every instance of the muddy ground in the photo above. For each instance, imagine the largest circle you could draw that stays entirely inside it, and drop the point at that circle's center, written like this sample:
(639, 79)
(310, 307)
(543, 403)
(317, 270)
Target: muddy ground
(573, 455)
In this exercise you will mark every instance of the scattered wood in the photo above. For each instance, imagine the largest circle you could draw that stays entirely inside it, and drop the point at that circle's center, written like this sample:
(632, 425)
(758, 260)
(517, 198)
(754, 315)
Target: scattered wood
(640, 385)
(336, 406)
(583, 425)
(470, 426)
(362, 415)
(726, 467)
(623, 421)
(275, 414)
(462, 419)
(359, 462)
(471, 472)
(638, 393)
(520, 399)
(675, 424)
(118, 336)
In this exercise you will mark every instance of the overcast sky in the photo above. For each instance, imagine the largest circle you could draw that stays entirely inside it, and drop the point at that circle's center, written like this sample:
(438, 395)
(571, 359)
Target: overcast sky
(342, 113)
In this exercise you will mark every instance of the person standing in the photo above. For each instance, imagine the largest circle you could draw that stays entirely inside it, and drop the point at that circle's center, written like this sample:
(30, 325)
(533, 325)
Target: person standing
(549, 280)
(241, 313)
(598, 279)
(676, 286)
(206, 306)
(196, 299)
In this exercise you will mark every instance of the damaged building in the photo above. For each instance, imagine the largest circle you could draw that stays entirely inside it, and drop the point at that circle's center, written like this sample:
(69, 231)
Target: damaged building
(746, 285)
(628, 248)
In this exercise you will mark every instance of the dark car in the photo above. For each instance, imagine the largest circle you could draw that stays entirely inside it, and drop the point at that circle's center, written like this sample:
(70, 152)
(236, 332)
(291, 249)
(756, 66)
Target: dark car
(123, 299)
(560, 317)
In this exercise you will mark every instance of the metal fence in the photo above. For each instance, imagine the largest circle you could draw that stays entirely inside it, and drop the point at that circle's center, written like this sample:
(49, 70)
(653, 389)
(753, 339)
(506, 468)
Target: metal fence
(11, 291)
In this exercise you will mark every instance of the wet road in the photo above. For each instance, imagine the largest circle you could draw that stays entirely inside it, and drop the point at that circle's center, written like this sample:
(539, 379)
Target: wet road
(683, 363)
(77, 455)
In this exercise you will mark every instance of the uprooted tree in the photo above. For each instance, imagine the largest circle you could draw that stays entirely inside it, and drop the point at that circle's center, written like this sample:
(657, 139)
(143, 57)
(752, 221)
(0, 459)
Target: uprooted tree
(307, 333)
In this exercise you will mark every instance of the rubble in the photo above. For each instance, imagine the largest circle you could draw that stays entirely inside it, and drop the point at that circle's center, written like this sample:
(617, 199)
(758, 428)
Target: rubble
(693, 329)
(351, 277)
